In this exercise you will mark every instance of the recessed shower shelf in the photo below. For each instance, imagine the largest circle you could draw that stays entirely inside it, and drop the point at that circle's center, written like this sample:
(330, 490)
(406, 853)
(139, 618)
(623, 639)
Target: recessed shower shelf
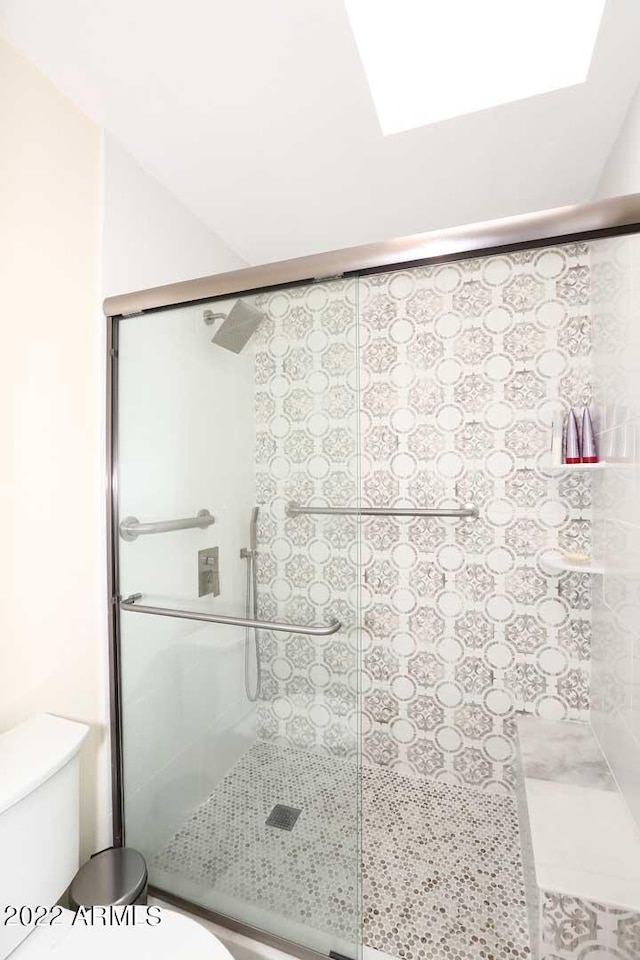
(556, 562)
(588, 467)
(572, 467)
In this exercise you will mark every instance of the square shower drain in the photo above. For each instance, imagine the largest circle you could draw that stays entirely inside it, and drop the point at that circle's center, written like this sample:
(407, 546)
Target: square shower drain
(283, 817)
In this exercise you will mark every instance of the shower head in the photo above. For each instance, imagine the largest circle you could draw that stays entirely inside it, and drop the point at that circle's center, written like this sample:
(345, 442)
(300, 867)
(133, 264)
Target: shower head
(238, 326)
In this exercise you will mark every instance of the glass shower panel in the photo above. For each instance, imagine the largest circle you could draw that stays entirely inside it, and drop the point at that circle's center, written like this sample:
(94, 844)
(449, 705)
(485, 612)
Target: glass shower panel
(464, 365)
(241, 743)
(467, 623)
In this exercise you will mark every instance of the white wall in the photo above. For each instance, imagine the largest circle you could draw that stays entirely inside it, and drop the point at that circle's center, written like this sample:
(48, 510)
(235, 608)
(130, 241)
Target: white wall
(616, 601)
(186, 443)
(51, 584)
(175, 402)
(615, 671)
(621, 173)
(150, 238)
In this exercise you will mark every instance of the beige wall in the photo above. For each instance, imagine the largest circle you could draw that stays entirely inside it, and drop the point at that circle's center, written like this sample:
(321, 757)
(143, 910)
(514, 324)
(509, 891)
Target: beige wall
(52, 646)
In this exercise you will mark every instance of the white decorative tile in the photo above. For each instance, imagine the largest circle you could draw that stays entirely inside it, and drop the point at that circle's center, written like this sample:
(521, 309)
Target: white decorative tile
(580, 929)
(459, 364)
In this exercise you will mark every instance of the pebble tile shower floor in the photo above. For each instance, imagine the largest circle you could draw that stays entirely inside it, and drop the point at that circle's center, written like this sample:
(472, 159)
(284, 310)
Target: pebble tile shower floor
(443, 876)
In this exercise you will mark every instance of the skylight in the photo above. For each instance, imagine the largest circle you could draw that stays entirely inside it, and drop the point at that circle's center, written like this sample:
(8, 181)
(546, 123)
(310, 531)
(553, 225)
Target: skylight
(429, 60)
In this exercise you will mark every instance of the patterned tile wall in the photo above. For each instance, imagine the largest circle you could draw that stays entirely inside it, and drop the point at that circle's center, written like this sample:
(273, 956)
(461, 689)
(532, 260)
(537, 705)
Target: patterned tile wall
(307, 450)
(455, 370)
(576, 929)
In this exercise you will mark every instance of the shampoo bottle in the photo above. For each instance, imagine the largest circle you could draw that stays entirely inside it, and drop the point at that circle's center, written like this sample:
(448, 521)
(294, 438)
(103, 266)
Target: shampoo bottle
(589, 452)
(573, 440)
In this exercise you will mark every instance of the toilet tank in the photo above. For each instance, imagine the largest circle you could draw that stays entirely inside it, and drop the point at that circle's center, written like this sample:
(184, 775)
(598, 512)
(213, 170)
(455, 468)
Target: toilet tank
(39, 815)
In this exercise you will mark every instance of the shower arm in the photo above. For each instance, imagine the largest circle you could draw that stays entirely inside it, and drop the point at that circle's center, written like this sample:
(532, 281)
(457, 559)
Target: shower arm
(322, 630)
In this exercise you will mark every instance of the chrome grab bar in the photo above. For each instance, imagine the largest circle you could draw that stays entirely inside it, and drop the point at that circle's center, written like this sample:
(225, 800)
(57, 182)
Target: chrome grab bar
(130, 603)
(468, 512)
(131, 528)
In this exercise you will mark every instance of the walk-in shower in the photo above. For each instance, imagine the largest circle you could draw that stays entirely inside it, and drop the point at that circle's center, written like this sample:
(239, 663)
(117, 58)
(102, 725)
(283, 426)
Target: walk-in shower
(369, 693)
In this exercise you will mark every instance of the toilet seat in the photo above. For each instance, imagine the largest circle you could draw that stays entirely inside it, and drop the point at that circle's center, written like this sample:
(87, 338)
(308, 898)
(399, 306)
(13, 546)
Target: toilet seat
(176, 936)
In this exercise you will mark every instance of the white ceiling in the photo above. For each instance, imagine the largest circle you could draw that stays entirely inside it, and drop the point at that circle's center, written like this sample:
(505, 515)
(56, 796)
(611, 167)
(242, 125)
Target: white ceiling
(257, 115)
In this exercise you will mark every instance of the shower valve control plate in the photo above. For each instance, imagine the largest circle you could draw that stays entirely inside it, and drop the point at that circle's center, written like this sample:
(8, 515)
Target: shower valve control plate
(208, 572)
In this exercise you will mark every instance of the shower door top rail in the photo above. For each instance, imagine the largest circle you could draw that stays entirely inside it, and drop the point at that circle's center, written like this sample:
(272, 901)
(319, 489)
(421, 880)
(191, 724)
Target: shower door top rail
(307, 630)
(468, 512)
(131, 528)
(584, 220)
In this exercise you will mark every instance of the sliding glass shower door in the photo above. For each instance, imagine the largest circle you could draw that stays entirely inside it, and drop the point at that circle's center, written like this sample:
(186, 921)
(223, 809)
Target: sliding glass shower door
(239, 621)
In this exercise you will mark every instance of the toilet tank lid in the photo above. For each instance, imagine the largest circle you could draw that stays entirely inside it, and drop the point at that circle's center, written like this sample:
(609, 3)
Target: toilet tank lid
(33, 751)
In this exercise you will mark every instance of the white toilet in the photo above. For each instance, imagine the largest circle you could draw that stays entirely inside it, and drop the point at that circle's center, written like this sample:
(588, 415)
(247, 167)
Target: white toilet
(39, 821)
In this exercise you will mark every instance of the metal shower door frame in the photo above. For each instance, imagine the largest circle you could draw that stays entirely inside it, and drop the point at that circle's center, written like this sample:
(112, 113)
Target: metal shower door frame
(590, 221)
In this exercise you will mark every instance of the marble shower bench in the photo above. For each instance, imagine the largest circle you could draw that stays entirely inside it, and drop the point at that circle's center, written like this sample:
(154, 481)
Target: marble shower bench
(585, 845)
